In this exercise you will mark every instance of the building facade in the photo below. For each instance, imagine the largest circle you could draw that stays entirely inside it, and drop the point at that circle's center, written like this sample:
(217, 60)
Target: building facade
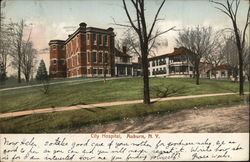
(174, 64)
(123, 63)
(88, 52)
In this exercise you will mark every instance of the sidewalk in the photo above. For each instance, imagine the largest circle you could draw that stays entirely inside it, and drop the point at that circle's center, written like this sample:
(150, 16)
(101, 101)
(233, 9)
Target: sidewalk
(49, 110)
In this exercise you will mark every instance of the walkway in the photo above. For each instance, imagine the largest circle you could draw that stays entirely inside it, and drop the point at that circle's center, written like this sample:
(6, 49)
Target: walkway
(49, 110)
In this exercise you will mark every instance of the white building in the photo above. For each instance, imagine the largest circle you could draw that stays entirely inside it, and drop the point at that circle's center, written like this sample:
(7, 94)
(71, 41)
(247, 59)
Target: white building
(175, 64)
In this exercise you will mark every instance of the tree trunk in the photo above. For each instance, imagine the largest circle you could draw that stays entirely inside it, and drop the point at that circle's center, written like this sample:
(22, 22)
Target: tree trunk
(19, 72)
(241, 73)
(27, 78)
(240, 51)
(197, 72)
(146, 96)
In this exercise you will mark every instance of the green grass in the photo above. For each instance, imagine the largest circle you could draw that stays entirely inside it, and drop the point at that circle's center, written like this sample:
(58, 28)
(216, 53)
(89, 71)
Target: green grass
(71, 120)
(68, 94)
(12, 82)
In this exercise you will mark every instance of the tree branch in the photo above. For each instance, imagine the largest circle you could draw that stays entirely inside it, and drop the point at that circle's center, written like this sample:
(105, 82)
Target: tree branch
(129, 17)
(155, 19)
(160, 33)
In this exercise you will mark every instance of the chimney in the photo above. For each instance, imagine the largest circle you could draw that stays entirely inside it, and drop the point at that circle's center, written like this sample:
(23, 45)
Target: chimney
(175, 49)
(69, 35)
(124, 49)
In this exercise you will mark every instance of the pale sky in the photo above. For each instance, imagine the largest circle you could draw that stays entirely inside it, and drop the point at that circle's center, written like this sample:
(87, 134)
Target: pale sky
(50, 17)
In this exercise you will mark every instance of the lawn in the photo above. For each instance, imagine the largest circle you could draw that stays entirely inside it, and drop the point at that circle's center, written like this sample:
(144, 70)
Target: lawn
(68, 94)
(67, 121)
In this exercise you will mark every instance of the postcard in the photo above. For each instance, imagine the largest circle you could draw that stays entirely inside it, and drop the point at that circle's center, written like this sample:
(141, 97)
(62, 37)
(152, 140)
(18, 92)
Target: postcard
(124, 80)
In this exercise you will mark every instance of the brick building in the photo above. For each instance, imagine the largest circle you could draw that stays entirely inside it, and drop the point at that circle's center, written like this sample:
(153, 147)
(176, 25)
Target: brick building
(88, 52)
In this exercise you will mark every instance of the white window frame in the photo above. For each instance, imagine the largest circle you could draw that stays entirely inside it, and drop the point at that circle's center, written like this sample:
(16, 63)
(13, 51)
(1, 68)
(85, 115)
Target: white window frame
(78, 58)
(105, 43)
(94, 51)
(100, 36)
(88, 38)
(88, 56)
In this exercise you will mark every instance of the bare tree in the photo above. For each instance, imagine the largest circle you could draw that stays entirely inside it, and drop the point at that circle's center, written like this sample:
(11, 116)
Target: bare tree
(231, 8)
(4, 46)
(246, 62)
(197, 43)
(229, 50)
(145, 35)
(17, 40)
(132, 44)
(28, 59)
(4, 50)
(216, 56)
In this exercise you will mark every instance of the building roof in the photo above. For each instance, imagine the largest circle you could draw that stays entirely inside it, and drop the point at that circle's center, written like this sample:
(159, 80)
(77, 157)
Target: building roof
(56, 41)
(82, 28)
(221, 67)
(176, 52)
(121, 54)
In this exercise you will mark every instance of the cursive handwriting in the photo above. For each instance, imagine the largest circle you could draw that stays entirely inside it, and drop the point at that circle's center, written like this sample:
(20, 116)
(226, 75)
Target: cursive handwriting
(122, 147)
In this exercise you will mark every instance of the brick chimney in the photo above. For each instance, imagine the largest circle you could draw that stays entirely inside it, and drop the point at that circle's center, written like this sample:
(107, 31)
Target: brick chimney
(124, 49)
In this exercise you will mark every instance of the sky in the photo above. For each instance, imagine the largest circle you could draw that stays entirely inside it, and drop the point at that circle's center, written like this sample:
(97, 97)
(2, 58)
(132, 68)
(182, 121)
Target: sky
(56, 19)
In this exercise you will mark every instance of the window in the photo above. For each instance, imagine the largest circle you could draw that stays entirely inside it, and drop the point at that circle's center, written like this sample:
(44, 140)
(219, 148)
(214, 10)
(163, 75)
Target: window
(69, 62)
(100, 58)
(53, 47)
(125, 59)
(95, 71)
(105, 40)
(78, 58)
(106, 58)
(153, 63)
(72, 61)
(88, 53)
(94, 56)
(100, 39)
(88, 39)
(77, 42)
(62, 61)
(99, 71)
(94, 39)
(54, 62)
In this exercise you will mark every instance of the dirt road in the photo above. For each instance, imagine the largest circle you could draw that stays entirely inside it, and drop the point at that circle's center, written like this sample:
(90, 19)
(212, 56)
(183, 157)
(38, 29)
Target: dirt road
(207, 120)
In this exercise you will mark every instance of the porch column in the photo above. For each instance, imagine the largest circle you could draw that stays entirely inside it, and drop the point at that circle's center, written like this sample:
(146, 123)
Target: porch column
(116, 70)
(126, 70)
